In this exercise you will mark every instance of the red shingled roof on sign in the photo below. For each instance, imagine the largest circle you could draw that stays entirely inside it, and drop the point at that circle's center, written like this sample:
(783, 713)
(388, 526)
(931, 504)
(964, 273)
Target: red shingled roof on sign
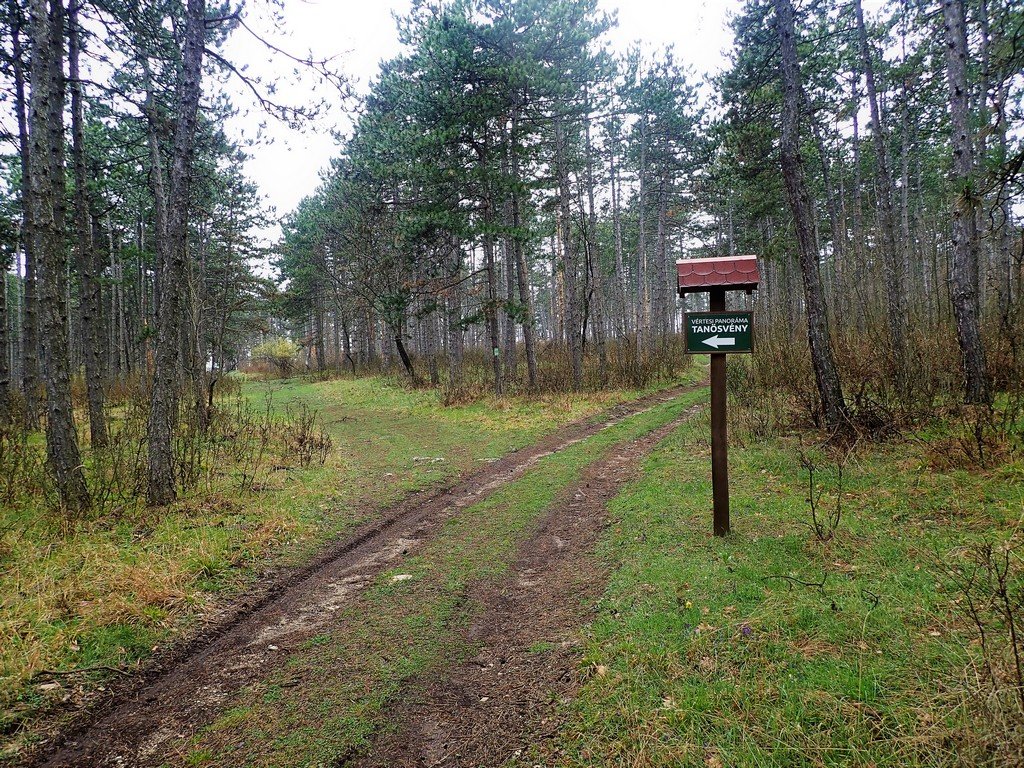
(734, 273)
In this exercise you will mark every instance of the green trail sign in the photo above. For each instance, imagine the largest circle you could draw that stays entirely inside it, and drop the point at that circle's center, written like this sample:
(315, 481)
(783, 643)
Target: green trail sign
(710, 332)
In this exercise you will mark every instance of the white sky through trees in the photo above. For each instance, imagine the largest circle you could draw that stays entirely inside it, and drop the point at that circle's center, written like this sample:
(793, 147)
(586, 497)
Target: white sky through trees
(362, 34)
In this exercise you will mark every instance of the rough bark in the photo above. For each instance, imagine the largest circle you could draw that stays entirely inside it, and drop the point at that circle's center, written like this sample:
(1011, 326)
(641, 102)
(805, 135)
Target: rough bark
(491, 271)
(570, 267)
(319, 333)
(525, 297)
(594, 270)
(963, 292)
(895, 287)
(1001, 225)
(193, 349)
(455, 331)
(30, 303)
(662, 314)
(491, 309)
(5, 365)
(509, 330)
(404, 355)
(508, 267)
(822, 358)
(163, 409)
(86, 262)
(622, 303)
(643, 307)
(48, 189)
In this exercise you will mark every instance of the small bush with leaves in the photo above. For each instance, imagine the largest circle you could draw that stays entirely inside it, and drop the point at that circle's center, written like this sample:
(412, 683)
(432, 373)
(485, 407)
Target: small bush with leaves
(280, 354)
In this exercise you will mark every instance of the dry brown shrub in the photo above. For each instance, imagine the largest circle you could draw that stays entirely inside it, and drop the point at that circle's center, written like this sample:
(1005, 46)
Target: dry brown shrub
(987, 580)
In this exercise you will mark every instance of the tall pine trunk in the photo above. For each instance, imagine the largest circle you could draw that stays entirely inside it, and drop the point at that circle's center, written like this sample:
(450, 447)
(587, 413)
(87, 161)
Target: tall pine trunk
(822, 358)
(570, 267)
(643, 311)
(594, 266)
(623, 306)
(90, 299)
(5, 361)
(48, 189)
(456, 333)
(895, 287)
(525, 297)
(164, 406)
(963, 286)
(30, 303)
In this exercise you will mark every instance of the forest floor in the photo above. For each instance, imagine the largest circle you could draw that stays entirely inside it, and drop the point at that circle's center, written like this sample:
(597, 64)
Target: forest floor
(566, 606)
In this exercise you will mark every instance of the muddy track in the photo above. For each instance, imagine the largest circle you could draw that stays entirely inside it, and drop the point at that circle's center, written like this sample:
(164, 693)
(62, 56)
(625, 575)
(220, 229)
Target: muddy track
(185, 690)
(502, 702)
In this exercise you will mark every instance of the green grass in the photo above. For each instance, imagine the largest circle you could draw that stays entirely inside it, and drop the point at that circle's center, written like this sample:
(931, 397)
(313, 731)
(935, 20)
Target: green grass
(709, 652)
(328, 700)
(109, 590)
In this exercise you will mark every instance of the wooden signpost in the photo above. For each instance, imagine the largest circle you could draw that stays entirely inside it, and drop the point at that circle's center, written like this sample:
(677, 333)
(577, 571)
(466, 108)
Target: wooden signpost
(719, 333)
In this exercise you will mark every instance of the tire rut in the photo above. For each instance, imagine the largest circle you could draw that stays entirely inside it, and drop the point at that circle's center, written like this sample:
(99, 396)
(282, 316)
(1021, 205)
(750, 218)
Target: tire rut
(497, 705)
(185, 690)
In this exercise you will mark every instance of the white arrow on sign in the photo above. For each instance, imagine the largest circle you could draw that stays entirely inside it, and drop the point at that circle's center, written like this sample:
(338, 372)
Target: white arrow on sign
(719, 341)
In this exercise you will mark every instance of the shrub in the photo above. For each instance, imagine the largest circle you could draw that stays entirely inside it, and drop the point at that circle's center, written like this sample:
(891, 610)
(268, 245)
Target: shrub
(280, 354)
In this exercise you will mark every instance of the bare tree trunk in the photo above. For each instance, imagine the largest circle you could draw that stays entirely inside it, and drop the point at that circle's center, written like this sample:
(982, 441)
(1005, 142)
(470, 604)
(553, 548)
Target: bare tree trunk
(963, 291)
(163, 409)
(509, 268)
(594, 266)
(48, 188)
(404, 355)
(90, 301)
(319, 332)
(456, 334)
(1001, 228)
(838, 236)
(662, 315)
(30, 304)
(905, 241)
(573, 310)
(346, 339)
(554, 294)
(643, 310)
(525, 297)
(895, 286)
(5, 360)
(193, 348)
(822, 358)
(491, 308)
(622, 305)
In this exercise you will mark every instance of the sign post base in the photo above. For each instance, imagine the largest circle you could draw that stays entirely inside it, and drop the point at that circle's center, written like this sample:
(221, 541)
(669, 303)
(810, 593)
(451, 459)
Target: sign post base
(719, 429)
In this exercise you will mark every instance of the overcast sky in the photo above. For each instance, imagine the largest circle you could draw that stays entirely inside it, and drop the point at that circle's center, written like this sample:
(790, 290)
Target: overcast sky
(361, 33)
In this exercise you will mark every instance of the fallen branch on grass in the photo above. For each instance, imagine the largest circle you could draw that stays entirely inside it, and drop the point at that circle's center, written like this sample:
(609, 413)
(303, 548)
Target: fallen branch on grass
(819, 585)
(45, 673)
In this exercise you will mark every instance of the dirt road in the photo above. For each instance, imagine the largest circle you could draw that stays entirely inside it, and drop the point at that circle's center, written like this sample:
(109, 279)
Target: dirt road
(478, 713)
